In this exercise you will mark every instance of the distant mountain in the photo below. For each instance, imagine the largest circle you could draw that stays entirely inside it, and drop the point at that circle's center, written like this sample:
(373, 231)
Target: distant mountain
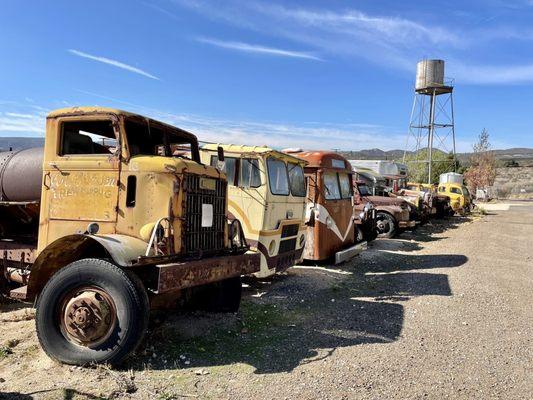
(20, 143)
(373, 154)
(521, 155)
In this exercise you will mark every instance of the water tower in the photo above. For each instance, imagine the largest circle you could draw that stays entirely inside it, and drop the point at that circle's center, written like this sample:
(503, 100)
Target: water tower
(432, 121)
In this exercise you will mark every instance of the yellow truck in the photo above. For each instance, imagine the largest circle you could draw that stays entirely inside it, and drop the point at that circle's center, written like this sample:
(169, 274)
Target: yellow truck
(267, 193)
(106, 223)
(441, 202)
(460, 199)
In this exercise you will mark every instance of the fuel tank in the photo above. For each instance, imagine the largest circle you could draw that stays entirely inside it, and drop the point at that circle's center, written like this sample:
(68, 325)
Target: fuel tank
(21, 174)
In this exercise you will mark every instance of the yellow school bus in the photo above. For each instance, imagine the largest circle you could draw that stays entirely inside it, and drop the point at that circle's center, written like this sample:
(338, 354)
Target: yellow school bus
(267, 193)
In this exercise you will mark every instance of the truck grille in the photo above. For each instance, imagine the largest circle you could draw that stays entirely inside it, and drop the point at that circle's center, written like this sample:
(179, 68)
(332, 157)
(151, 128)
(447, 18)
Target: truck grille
(289, 230)
(287, 245)
(201, 193)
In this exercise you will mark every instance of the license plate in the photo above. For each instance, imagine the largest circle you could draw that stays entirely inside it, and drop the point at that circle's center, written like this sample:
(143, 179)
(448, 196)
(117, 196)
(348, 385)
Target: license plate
(207, 215)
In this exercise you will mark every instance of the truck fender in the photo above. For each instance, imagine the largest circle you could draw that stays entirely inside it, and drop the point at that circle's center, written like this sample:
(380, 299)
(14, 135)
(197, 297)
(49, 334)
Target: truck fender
(121, 249)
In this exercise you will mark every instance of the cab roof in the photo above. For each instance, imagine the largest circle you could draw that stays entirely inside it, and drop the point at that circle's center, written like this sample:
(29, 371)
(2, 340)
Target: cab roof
(88, 110)
(322, 159)
(368, 172)
(92, 110)
(242, 149)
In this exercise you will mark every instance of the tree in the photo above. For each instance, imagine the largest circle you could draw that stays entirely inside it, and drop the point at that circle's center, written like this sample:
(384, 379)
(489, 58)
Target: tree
(482, 170)
(418, 168)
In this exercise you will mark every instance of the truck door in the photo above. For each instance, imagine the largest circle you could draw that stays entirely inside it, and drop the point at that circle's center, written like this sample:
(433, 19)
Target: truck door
(81, 178)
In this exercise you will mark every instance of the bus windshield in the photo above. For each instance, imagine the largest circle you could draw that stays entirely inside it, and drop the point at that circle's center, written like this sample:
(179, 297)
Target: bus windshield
(285, 178)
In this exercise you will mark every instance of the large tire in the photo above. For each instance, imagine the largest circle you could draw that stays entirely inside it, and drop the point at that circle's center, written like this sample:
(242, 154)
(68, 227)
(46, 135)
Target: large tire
(386, 225)
(119, 298)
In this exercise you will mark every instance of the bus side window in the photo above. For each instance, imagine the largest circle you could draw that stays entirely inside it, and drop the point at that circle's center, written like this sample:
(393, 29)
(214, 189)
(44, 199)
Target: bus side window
(250, 174)
(229, 167)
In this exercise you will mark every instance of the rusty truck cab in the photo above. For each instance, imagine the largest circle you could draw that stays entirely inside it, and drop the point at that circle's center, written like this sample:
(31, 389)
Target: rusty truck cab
(98, 233)
(267, 194)
(330, 214)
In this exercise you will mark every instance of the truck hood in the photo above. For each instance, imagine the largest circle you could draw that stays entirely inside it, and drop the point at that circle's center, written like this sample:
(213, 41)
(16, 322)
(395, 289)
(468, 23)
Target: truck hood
(384, 201)
(159, 164)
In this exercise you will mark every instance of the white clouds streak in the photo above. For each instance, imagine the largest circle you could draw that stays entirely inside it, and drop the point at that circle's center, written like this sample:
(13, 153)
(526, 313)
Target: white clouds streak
(490, 74)
(253, 48)
(114, 63)
(392, 42)
(13, 122)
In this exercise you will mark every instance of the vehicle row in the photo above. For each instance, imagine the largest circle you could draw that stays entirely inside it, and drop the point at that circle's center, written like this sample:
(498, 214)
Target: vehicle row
(120, 214)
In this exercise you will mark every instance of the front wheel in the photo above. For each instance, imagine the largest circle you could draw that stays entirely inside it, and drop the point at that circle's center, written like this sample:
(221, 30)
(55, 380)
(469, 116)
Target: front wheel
(91, 311)
(385, 225)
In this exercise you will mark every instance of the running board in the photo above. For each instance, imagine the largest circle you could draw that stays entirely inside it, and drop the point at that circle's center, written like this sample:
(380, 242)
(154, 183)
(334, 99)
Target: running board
(350, 252)
(19, 293)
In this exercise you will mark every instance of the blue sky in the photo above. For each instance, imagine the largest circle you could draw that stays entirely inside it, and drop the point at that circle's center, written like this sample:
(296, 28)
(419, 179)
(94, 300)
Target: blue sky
(312, 74)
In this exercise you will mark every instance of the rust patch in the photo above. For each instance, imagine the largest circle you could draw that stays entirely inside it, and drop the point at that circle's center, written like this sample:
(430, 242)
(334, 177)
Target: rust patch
(200, 272)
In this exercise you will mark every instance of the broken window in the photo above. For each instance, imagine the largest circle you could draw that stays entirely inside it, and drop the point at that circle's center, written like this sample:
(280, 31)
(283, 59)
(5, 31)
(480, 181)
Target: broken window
(345, 183)
(149, 138)
(331, 186)
(87, 137)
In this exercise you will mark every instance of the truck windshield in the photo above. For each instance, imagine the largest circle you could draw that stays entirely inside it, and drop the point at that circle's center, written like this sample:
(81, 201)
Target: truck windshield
(151, 139)
(297, 180)
(331, 186)
(363, 190)
(337, 185)
(277, 177)
(345, 183)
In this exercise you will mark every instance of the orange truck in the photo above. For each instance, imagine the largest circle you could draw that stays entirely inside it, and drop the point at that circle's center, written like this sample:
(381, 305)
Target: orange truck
(330, 213)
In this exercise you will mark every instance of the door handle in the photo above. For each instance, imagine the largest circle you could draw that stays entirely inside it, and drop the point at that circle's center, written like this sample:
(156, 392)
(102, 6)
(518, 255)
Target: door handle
(47, 180)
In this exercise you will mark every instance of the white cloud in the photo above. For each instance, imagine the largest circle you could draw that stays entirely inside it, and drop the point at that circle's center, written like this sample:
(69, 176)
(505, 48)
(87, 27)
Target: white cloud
(356, 23)
(491, 74)
(114, 63)
(253, 48)
(22, 123)
(391, 42)
(29, 120)
(309, 135)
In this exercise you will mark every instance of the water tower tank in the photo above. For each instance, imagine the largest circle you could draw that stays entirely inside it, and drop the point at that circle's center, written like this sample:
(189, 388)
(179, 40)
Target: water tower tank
(451, 177)
(429, 74)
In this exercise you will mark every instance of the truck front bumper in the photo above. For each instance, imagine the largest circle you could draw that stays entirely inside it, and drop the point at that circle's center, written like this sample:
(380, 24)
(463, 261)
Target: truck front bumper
(350, 252)
(181, 275)
(407, 224)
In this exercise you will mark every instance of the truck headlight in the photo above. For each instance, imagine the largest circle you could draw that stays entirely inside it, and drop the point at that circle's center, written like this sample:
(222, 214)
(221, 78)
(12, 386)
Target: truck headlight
(272, 247)
(146, 231)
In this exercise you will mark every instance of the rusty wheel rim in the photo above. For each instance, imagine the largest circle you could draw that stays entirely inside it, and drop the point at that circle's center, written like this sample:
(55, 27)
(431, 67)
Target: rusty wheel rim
(88, 316)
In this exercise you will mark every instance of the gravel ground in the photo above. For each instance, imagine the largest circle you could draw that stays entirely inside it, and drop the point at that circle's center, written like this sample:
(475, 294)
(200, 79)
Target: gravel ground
(444, 312)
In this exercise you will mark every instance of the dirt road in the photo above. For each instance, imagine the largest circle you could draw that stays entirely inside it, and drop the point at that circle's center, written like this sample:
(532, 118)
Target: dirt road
(445, 312)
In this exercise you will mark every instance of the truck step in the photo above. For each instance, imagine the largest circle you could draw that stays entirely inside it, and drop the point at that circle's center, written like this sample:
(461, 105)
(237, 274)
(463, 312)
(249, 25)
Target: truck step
(19, 293)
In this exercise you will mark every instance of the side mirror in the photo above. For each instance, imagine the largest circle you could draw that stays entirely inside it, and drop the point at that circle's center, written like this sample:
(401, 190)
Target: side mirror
(220, 156)
(220, 153)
